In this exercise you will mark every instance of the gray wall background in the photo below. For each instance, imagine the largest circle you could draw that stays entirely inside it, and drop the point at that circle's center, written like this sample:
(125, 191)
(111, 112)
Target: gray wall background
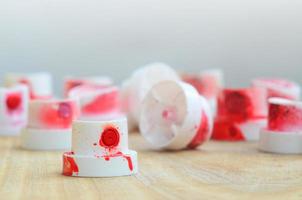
(246, 38)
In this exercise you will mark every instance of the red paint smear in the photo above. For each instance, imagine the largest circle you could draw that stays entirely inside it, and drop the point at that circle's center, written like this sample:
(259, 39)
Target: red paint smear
(206, 85)
(225, 130)
(240, 105)
(103, 103)
(284, 118)
(69, 165)
(60, 115)
(70, 84)
(14, 102)
(202, 133)
(236, 105)
(110, 137)
(128, 158)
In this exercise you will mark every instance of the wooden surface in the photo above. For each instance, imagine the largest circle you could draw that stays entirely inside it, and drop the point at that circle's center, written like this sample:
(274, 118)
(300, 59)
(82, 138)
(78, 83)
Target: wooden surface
(218, 170)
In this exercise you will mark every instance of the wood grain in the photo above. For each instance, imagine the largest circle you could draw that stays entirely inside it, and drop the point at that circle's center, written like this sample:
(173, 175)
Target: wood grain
(218, 170)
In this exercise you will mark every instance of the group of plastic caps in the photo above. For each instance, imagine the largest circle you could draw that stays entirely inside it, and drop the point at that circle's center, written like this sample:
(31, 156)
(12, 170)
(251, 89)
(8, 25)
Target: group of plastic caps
(172, 111)
(181, 111)
(88, 122)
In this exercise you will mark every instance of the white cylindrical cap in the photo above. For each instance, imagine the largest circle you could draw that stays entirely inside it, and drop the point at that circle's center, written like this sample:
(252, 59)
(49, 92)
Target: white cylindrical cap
(280, 142)
(100, 149)
(250, 129)
(172, 115)
(39, 84)
(97, 138)
(46, 139)
(121, 164)
(52, 114)
(285, 115)
(13, 109)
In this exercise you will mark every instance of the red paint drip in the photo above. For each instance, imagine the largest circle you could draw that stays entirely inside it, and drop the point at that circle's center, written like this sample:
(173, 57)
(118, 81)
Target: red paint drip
(284, 118)
(110, 139)
(128, 158)
(13, 101)
(202, 133)
(130, 165)
(69, 165)
(28, 84)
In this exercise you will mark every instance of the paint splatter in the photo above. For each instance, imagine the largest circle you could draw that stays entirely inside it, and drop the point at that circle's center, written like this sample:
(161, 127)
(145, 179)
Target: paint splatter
(109, 139)
(69, 165)
(128, 158)
(284, 118)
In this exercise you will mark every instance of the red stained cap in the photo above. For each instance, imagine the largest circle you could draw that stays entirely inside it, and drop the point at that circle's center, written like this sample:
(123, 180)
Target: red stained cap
(236, 105)
(110, 137)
